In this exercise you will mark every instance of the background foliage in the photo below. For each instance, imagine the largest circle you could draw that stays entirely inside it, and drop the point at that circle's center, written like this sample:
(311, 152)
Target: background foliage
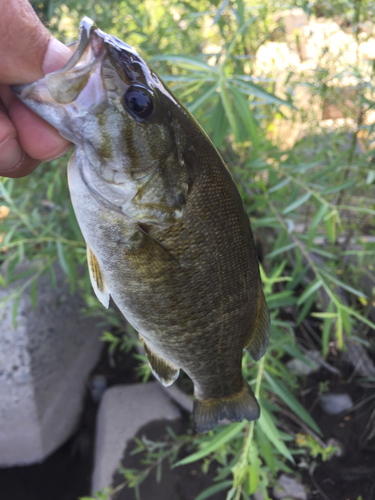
(307, 186)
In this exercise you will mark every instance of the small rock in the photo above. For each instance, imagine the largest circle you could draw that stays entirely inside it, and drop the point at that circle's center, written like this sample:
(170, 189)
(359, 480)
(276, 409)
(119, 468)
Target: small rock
(289, 488)
(44, 365)
(333, 404)
(336, 444)
(123, 410)
(302, 368)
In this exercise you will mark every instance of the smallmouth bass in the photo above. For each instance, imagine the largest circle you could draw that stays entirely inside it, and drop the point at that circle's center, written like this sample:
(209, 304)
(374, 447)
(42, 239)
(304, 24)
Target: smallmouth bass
(166, 231)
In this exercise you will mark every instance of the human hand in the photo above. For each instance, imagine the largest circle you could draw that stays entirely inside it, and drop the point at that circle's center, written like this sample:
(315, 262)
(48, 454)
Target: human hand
(27, 52)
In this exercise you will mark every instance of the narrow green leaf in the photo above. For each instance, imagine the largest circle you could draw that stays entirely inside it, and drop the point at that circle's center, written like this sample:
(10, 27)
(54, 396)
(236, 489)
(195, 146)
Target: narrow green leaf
(33, 293)
(281, 250)
(327, 328)
(238, 33)
(219, 11)
(253, 480)
(265, 448)
(216, 488)
(2, 281)
(318, 217)
(203, 98)
(281, 184)
(246, 115)
(268, 427)
(306, 308)
(336, 189)
(219, 124)
(315, 285)
(186, 62)
(62, 257)
(330, 222)
(370, 177)
(296, 203)
(355, 314)
(339, 331)
(255, 90)
(324, 315)
(231, 493)
(227, 105)
(221, 438)
(291, 401)
(342, 284)
(282, 299)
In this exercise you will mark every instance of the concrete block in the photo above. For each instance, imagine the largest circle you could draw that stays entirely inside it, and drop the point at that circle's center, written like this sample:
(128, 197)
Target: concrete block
(123, 411)
(44, 364)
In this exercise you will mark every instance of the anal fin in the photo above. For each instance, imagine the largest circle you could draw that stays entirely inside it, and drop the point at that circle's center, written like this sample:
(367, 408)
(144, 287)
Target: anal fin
(165, 371)
(97, 279)
(259, 336)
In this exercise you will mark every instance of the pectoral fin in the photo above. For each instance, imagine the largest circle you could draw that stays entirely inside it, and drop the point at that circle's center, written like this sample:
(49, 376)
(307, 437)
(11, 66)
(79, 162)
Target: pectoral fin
(165, 371)
(259, 336)
(97, 279)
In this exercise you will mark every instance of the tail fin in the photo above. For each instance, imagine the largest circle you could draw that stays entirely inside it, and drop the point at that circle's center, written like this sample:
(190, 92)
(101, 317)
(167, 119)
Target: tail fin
(208, 412)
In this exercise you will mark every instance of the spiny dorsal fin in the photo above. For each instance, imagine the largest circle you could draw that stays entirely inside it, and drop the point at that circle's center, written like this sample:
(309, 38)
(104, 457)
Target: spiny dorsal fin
(259, 336)
(165, 371)
(97, 279)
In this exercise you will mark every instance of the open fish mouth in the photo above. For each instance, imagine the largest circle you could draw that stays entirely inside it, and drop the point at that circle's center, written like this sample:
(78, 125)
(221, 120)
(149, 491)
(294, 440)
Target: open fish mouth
(88, 48)
(75, 89)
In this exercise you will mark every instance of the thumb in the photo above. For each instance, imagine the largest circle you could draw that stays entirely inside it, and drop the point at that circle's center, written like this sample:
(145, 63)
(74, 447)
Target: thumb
(27, 49)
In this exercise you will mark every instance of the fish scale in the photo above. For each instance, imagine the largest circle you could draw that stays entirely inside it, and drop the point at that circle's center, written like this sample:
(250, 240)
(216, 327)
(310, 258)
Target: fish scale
(167, 234)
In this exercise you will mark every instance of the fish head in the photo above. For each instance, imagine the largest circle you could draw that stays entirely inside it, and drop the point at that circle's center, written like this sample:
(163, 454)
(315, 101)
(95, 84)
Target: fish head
(125, 123)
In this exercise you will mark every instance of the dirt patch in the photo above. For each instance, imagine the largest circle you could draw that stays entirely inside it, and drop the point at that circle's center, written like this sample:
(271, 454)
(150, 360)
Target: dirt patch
(180, 483)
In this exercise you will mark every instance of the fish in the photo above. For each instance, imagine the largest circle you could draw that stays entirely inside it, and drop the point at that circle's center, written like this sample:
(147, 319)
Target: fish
(168, 238)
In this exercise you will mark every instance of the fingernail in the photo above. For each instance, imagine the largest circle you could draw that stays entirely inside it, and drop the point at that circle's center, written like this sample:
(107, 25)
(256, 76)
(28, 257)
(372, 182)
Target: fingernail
(57, 55)
(11, 154)
(63, 152)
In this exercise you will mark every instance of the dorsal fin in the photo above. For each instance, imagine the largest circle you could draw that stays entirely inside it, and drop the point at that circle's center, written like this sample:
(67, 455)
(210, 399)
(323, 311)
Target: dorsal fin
(165, 371)
(97, 279)
(259, 336)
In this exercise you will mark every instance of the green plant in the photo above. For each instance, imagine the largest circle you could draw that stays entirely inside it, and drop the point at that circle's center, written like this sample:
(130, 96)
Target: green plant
(315, 448)
(309, 197)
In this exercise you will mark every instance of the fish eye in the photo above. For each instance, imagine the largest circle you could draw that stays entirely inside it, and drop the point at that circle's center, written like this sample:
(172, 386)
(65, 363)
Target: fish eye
(138, 101)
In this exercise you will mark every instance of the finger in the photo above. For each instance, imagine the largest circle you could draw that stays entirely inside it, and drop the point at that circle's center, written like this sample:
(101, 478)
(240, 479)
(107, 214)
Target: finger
(25, 167)
(37, 137)
(14, 162)
(22, 36)
(11, 152)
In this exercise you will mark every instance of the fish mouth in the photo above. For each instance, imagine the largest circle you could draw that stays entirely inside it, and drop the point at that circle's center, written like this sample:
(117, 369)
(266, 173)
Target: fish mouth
(73, 90)
(87, 49)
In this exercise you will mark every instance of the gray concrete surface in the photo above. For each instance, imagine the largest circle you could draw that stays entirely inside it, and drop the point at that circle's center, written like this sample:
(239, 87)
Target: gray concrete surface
(123, 411)
(44, 364)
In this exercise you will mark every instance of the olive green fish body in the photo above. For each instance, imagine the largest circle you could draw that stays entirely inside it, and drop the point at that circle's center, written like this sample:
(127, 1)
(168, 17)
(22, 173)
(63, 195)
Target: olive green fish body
(168, 237)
